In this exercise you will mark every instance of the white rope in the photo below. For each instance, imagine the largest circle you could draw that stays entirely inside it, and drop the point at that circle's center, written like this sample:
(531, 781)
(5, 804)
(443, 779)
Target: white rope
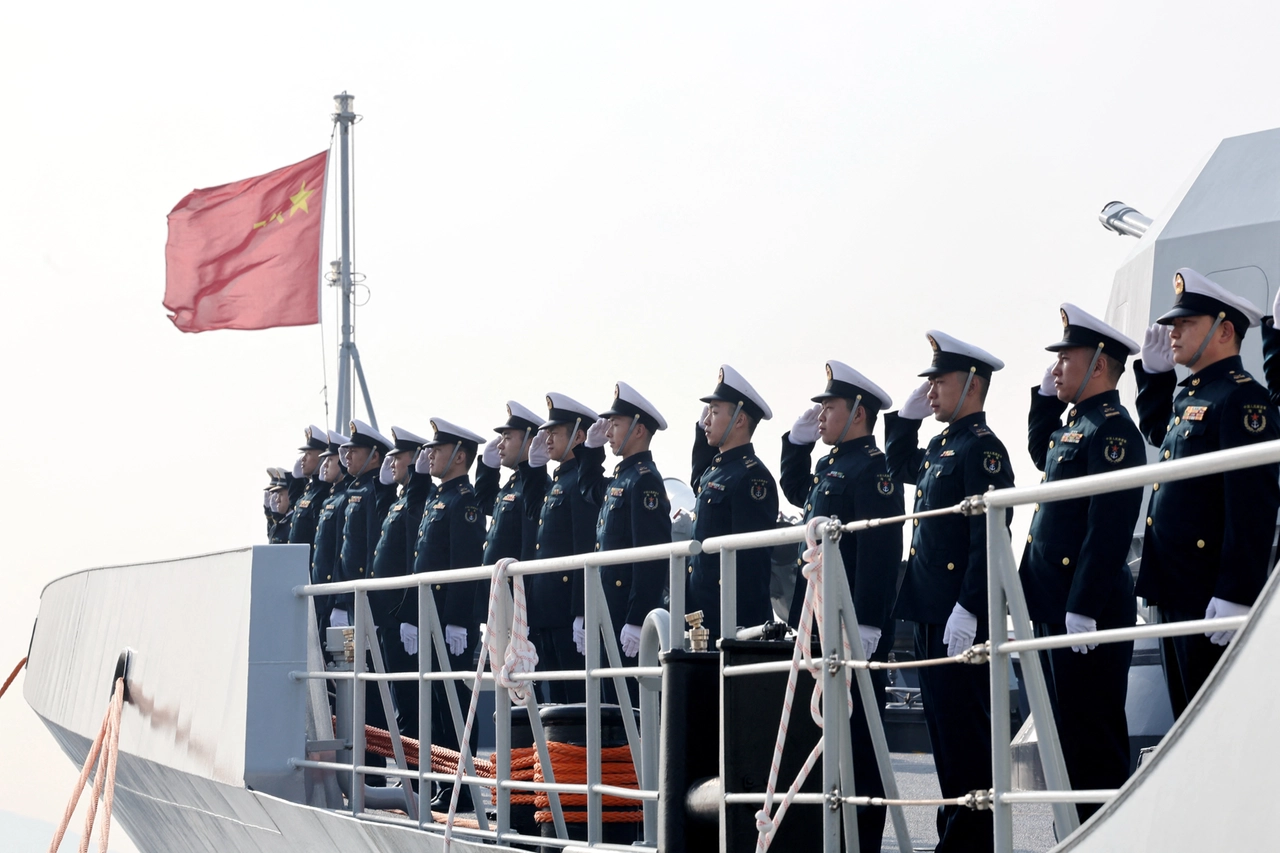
(520, 658)
(767, 826)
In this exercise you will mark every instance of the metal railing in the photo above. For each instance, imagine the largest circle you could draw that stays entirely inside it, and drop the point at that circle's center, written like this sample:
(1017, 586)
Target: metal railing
(1005, 596)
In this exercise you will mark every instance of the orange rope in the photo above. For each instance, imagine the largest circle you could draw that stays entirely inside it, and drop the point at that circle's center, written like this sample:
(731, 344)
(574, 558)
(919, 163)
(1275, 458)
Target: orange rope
(17, 669)
(106, 744)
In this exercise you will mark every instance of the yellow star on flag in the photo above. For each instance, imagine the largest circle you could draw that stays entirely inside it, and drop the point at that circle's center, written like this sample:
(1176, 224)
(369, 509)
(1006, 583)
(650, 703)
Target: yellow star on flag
(299, 199)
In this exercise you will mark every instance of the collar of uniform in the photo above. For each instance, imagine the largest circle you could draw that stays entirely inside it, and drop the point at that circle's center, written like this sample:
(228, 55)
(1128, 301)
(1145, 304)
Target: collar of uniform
(860, 441)
(1094, 402)
(418, 483)
(634, 460)
(742, 451)
(1217, 370)
(976, 419)
(455, 484)
(363, 479)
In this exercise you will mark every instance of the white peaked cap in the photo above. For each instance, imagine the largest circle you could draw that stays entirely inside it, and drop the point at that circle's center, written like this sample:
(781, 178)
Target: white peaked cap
(338, 438)
(519, 417)
(563, 409)
(629, 402)
(317, 438)
(1195, 295)
(1082, 329)
(404, 441)
(450, 433)
(844, 381)
(734, 388)
(951, 354)
(363, 435)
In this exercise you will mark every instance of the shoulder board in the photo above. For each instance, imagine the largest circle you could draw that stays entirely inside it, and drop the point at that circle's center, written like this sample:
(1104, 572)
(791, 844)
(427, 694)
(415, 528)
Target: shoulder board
(1110, 411)
(874, 451)
(750, 463)
(1242, 378)
(464, 490)
(980, 430)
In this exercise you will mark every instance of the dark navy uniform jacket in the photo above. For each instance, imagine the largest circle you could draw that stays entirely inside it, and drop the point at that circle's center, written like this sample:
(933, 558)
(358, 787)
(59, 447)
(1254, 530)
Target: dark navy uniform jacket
(567, 519)
(636, 512)
(851, 483)
(514, 530)
(306, 513)
(1076, 556)
(736, 494)
(1271, 358)
(451, 536)
(393, 555)
(324, 554)
(366, 505)
(947, 563)
(278, 528)
(1208, 537)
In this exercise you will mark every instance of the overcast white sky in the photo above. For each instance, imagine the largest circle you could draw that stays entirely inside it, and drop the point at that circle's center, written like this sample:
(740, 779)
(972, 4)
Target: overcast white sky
(554, 197)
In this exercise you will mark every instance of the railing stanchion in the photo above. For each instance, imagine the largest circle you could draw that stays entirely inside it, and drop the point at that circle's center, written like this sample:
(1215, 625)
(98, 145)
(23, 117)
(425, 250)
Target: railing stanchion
(676, 602)
(1001, 760)
(594, 601)
(357, 710)
(728, 593)
(424, 706)
(502, 710)
(834, 703)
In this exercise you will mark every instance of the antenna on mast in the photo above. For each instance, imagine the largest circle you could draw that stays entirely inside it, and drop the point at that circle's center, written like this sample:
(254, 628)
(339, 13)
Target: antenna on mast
(340, 275)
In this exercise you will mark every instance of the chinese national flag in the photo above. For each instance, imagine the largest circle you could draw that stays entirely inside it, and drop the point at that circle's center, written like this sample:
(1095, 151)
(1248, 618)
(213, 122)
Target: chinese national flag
(247, 255)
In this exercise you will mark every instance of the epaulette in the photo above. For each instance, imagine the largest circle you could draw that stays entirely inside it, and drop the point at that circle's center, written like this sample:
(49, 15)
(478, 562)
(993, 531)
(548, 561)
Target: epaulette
(1109, 411)
(1242, 378)
(980, 430)
(641, 469)
(464, 490)
(750, 463)
(874, 451)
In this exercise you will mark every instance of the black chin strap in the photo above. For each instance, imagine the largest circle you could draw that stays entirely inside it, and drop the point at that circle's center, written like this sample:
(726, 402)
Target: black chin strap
(1222, 315)
(968, 380)
(1088, 374)
(849, 423)
(725, 436)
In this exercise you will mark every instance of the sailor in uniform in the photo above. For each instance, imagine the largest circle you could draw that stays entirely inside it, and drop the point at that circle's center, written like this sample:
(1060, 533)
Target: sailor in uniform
(1207, 548)
(393, 557)
(945, 588)
(852, 483)
(279, 507)
(324, 551)
(306, 509)
(635, 512)
(736, 494)
(451, 536)
(566, 524)
(513, 532)
(1074, 571)
(368, 500)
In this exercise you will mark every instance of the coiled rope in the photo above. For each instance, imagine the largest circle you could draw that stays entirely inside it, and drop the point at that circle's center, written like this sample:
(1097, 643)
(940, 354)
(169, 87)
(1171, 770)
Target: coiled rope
(766, 824)
(106, 744)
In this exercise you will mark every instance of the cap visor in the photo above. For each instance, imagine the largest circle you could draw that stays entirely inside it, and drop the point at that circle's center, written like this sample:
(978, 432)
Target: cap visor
(1167, 318)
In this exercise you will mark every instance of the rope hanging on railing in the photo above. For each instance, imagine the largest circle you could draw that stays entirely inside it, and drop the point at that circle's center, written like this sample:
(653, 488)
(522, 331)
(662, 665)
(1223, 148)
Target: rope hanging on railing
(106, 744)
(17, 669)
(766, 825)
(519, 651)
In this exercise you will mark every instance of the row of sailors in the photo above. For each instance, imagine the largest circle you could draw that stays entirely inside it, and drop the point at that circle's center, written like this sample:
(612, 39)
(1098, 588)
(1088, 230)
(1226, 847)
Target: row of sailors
(1205, 553)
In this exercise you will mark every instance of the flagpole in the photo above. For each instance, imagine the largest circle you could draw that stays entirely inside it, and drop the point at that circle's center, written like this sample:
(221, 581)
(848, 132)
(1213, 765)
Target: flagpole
(344, 117)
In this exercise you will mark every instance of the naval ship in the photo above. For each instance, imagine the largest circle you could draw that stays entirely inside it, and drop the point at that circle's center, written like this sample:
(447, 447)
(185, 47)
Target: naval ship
(228, 740)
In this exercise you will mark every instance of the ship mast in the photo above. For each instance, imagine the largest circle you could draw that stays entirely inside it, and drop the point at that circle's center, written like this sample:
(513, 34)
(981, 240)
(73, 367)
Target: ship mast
(340, 276)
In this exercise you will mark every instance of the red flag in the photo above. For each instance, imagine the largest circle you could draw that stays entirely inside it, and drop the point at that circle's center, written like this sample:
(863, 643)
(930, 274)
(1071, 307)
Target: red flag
(247, 255)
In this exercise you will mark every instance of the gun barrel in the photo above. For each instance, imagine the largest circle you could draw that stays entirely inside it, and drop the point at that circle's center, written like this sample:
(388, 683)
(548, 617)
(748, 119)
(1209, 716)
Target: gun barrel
(1122, 219)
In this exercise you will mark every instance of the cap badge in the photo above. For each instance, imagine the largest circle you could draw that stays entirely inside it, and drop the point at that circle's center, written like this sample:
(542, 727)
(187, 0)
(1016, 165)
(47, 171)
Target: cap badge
(353, 428)
(1178, 284)
(933, 343)
(435, 430)
(308, 432)
(830, 375)
(1065, 321)
(721, 375)
(550, 405)
(508, 410)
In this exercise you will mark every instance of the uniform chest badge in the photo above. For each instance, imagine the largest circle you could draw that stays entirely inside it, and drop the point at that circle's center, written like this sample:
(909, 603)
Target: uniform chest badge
(712, 484)
(759, 490)
(947, 453)
(303, 504)
(507, 498)
(439, 505)
(616, 491)
(353, 499)
(1113, 452)
(884, 484)
(650, 500)
(471, 513)
(557, 492)
(1071, 437)
(1255, 419)
(1194, 413)
(398, 507)
(992, 462)
(836, 475)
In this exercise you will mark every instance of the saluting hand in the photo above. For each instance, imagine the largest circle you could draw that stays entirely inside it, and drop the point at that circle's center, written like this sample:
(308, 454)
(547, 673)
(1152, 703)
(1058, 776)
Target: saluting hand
(538, 453)
(297, 468)
(702, 418)
(1047, 388)
(491, 458)
(805, 429)
(421, 465)
(597, 432)
(916, 406)
(1157, 350)
(385, 477)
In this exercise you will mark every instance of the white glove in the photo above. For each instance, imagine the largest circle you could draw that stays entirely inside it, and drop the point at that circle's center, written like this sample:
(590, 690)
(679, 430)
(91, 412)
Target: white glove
(338, 618)
(266, 500)
(385, 476)
(596, 433)
(297, 468)
(1157, 350)
(456, 639)
(409, 637)
(702, 418)
(870, 639)
(1046, 384)
(421, 465)
(491, 457)
(630, 637)
(1077, 624)
(1220, 608)
(579, 635)
(538, 453)
(962, 627)
(916, 406)
(1275, 306)
(805, 429)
